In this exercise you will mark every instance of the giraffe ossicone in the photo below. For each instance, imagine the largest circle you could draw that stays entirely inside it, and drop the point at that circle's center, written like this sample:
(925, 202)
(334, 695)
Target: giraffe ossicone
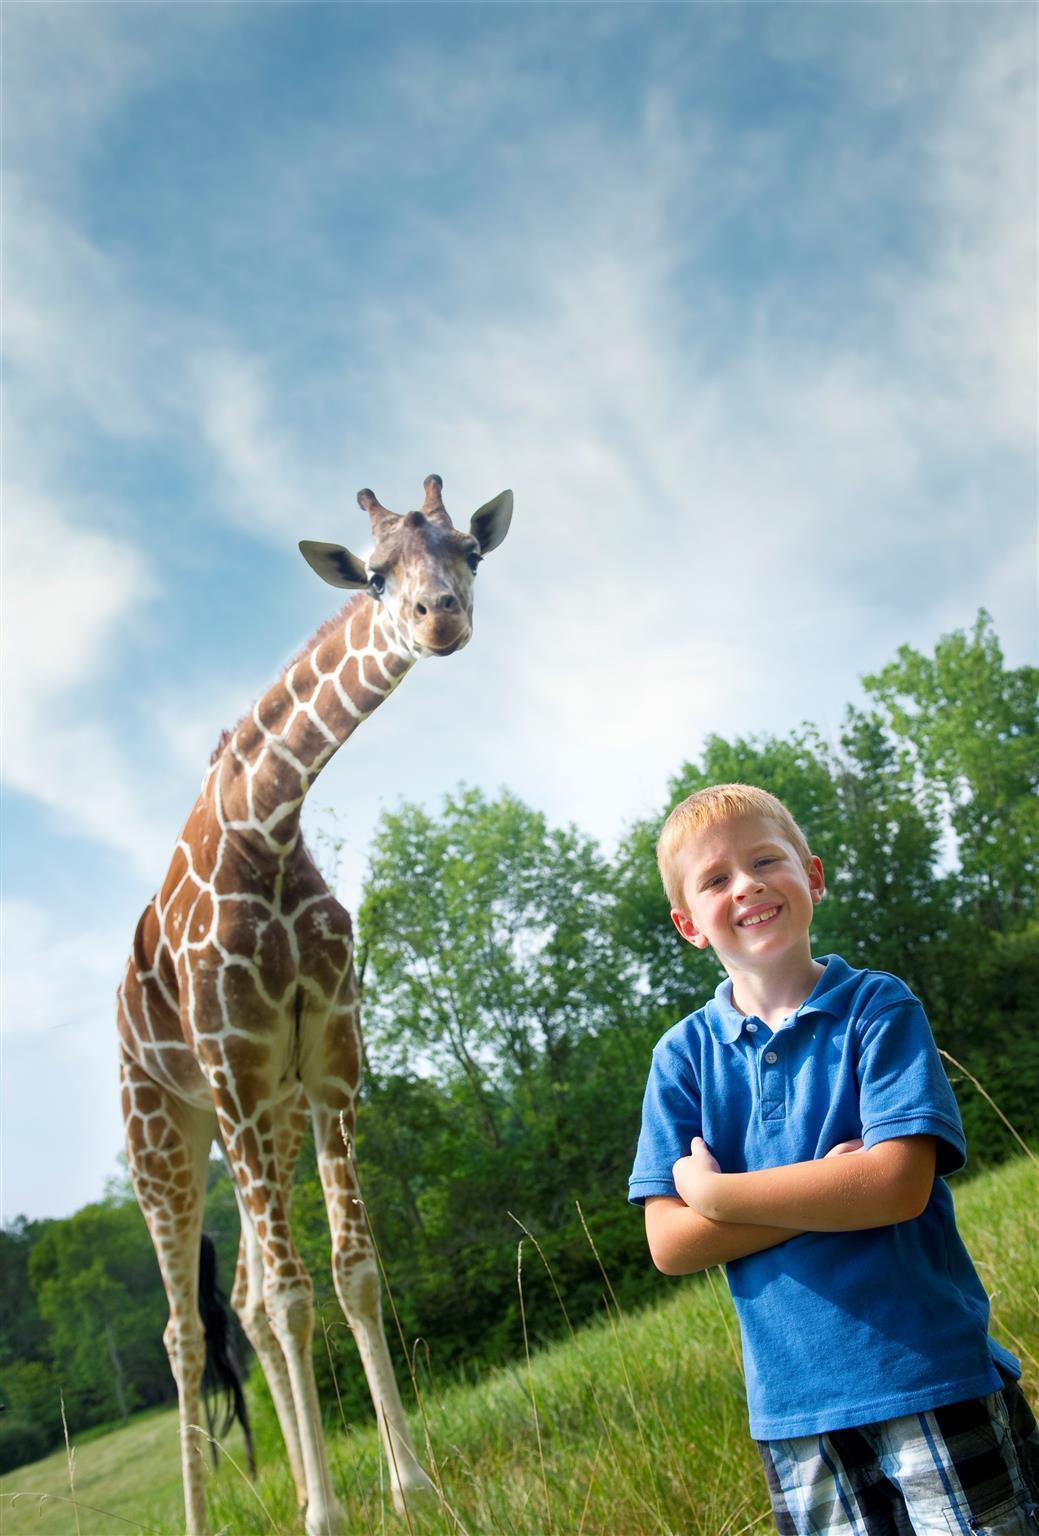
(238, 1012)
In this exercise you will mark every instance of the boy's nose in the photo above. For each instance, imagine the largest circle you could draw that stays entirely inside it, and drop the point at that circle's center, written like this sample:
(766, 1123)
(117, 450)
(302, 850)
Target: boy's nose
(747, 884)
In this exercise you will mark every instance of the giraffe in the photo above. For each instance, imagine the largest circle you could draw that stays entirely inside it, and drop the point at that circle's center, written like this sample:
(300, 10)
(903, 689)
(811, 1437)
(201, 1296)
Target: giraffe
(238, 1012)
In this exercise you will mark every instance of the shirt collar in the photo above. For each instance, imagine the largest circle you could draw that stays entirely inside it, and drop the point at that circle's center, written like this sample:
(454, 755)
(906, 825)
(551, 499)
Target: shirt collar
(829, 995)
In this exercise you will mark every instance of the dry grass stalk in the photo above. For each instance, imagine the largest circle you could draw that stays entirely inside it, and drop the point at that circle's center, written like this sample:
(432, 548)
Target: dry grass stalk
(530, 1384)
(990, 1100)
(243, 1475)
(70, 1456)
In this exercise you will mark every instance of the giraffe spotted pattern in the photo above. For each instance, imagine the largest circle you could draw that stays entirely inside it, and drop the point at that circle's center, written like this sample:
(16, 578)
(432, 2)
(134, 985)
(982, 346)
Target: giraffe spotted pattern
(238, 1012)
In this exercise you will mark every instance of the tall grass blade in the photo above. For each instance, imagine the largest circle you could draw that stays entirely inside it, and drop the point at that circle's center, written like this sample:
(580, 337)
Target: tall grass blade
(70, 1457)
(245, 1479)
(1021, 1347)
(990, 1100)
(77, 1505)
(548, 1270)
(591, 1484)
(388, 1437)
(598, 1260)
(604, 1418)
(613, 1314)
(652, 1509)
(530, 1385)
(725, 1321)
(332, 1367)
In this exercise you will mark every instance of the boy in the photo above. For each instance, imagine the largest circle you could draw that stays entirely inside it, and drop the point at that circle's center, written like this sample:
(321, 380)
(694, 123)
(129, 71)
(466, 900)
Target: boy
(798, 1129)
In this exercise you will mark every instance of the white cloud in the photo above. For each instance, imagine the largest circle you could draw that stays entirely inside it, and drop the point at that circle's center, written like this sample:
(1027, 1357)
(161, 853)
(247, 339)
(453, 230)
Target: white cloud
(266, 482)
(70, 596)
(61, 1118)
(721, 545)
(56, 977)
(67, 591)
(978, 318)
(79, 348)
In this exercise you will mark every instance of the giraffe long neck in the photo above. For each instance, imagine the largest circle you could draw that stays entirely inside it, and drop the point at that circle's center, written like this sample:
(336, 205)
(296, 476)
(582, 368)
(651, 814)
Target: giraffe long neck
(274, 755)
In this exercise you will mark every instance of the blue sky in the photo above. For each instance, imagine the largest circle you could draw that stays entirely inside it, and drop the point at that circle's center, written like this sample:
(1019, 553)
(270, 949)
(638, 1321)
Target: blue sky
(741, 302)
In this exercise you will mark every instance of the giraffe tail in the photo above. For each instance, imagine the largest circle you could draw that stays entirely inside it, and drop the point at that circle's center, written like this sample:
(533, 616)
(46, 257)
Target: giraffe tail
(222, 1379)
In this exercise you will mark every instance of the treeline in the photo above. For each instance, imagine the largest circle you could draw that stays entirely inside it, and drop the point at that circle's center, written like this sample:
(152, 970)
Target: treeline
(515, 979)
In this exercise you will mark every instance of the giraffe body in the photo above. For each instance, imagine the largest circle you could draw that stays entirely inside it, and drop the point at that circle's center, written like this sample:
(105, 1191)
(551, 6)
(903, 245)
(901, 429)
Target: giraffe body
(238, 1013)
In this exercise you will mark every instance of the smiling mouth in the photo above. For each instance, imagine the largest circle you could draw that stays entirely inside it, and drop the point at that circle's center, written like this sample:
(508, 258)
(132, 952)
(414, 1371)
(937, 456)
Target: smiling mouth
(758, 918)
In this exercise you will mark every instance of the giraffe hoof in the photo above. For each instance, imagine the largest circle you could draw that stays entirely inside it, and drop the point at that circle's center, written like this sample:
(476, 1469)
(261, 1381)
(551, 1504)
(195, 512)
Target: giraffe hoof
(324, 1522)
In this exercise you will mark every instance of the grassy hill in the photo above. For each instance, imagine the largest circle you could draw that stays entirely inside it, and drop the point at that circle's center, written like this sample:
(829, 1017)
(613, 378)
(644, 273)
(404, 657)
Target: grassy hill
(634, 1426)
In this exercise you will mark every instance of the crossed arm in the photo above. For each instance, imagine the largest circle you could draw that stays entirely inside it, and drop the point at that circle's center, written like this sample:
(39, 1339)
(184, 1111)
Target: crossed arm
(724, 1216)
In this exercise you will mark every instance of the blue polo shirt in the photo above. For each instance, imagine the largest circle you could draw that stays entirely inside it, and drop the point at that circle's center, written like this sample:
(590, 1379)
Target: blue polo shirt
(839, 1328)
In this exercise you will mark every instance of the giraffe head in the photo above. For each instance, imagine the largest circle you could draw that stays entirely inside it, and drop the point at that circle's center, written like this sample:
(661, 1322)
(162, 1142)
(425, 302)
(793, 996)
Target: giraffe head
(422, 568)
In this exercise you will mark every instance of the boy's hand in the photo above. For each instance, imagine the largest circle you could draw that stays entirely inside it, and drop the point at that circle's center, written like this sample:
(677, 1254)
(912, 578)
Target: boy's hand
(877, 1186)
(693, 1173)
(701, 1154)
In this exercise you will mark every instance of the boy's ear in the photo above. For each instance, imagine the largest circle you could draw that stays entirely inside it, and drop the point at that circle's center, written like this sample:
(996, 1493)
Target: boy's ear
(816, 879)
(688, 929)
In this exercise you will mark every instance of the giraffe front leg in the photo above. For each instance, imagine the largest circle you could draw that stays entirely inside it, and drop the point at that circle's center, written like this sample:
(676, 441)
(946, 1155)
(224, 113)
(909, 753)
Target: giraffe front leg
(356, 1277)
(167, 1145)
(288, 1301)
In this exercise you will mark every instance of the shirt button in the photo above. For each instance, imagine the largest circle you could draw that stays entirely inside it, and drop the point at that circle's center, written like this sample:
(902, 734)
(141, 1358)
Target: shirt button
(771, 1057)
(752, 1029)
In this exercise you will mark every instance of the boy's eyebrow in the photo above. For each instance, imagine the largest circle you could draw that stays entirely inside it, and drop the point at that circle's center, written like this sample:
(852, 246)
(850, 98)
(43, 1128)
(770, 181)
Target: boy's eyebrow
(719, 863)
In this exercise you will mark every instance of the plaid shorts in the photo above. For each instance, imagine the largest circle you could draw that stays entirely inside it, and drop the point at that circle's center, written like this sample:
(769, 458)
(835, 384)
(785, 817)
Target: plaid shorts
(970, 1468)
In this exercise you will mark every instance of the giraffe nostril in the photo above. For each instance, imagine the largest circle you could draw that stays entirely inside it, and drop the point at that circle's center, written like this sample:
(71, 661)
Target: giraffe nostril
(420, 609)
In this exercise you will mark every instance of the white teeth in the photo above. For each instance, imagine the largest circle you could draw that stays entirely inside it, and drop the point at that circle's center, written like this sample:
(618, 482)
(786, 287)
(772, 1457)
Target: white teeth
(762, 917)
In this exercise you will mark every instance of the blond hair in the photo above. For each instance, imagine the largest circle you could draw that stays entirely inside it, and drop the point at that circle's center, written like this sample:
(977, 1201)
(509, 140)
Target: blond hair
(709, 807)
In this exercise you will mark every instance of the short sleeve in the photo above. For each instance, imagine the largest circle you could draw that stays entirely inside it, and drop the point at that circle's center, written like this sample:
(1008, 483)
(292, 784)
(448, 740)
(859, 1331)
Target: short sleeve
(903, 1089)
(671, 1117)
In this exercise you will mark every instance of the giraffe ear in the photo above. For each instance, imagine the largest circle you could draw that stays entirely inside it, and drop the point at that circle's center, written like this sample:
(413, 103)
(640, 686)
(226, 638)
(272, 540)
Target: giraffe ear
(490, 524)
(334, 564)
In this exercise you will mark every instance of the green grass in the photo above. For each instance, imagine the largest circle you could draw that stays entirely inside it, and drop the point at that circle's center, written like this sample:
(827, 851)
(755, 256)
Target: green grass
(638, 1428)
(132, 1472)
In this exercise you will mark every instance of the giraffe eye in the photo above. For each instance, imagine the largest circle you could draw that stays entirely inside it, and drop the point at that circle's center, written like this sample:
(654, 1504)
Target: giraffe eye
(377, 582)
(473, 562)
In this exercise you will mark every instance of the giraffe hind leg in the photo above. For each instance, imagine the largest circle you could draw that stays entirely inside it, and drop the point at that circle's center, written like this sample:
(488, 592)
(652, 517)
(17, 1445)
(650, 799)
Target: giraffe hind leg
(262, 1153)
(291, 1123)
(356, 1278)
(167, 1144)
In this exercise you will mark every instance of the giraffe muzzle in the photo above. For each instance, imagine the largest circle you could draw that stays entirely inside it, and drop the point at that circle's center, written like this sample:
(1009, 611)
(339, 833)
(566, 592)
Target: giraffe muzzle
(430, 647)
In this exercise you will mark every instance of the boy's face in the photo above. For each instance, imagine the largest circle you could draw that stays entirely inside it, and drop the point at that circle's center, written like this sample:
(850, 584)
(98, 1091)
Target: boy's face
(747, 892)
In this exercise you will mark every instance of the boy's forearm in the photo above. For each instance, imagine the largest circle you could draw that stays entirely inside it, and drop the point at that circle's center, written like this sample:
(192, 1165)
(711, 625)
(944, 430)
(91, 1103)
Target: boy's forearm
(682, 1241)
(887, 1184)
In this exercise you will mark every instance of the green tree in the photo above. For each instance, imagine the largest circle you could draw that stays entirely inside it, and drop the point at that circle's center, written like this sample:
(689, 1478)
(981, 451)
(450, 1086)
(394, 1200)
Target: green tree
(967, 728)
(496, 998)
(487, 942)
(30, 1420)
(887, 906)
(97, 1287)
